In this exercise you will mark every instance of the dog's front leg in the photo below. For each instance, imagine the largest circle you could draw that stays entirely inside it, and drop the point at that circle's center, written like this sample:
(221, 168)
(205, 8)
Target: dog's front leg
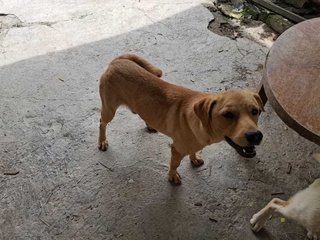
(276, 205)
(176, 157)
(103, 143)
(196, 159)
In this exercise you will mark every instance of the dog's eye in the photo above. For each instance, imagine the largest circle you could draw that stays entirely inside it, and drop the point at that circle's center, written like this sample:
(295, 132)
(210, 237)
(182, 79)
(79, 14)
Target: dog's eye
(228, 115)
(254, 112)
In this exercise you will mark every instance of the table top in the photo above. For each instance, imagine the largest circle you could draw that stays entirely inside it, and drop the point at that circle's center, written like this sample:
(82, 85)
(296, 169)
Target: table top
(292, 77)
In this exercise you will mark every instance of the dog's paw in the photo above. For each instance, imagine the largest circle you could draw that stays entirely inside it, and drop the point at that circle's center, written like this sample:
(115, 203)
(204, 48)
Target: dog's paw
(256, 225)
(151, 130)
(174, 178)
(103, 146)
(313, 236)
(197, 162)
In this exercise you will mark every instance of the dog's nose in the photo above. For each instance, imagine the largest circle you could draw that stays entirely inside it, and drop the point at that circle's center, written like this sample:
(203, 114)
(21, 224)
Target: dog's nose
(254, 137)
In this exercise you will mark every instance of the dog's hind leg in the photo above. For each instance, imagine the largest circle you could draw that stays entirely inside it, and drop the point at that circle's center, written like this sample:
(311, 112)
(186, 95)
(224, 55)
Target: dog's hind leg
(106, 117)
(196, 160)
(109, 106)
(276, 205)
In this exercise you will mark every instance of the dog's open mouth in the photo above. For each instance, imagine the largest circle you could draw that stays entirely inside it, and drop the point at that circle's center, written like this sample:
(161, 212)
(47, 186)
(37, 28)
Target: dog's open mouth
(248, 152)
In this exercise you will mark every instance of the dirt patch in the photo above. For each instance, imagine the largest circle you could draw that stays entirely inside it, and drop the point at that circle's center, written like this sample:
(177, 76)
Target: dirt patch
(247, 28)
(236, 19)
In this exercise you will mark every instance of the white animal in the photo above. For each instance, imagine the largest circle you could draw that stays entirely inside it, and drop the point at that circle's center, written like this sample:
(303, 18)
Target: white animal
(303, 207)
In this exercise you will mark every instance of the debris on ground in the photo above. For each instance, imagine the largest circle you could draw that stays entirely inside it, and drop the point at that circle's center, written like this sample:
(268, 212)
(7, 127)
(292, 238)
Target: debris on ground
(198, 204)
(259, 20)
(212, 219)
(289, 168)
(277, 193)
(131, 181)
(109, 168)
(11, 173)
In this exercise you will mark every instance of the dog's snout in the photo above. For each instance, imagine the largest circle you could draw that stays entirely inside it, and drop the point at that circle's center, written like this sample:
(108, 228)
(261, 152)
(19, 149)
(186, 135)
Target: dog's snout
(254, 137)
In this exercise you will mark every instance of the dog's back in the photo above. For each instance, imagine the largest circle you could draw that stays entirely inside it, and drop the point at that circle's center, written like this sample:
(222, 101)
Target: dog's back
(142, 63)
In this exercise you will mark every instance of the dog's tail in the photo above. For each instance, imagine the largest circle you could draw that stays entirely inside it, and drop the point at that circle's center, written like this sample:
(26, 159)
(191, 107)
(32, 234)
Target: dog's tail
(142, 63)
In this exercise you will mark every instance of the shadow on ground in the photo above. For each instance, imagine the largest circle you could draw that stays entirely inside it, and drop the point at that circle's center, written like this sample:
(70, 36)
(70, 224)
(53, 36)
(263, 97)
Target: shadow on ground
(67, 189)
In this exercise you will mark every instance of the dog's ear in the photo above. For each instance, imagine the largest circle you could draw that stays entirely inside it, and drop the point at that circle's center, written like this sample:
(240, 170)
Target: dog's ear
(203, 110)
(258, 99)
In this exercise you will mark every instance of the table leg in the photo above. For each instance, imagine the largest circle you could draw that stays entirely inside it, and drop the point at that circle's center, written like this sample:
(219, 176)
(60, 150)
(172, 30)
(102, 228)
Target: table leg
(262, 94)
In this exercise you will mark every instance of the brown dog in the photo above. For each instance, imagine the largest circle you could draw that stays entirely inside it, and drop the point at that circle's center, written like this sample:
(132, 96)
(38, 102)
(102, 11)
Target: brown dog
(192, 119)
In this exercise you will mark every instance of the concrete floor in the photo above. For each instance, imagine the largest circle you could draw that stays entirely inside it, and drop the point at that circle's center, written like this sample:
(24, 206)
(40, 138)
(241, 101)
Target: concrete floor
(52, 58)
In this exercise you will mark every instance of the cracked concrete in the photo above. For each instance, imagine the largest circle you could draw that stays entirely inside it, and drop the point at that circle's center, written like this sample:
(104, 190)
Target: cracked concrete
(67, 189)
(9, 21)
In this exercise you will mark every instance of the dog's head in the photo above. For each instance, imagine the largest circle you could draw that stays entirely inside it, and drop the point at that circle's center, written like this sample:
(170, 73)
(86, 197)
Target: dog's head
(232, 116)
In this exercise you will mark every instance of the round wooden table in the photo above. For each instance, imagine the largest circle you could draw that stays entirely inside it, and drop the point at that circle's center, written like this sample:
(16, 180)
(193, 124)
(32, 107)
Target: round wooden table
(291, 79)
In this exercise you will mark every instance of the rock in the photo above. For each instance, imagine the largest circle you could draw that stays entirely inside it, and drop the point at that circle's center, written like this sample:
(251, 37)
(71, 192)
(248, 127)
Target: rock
(264, 13)
(238, 4)
(210, 6)
(278, 23)
(131, 181)
(251, 10)
(229, 11)
(296, 3)
(9, 20)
